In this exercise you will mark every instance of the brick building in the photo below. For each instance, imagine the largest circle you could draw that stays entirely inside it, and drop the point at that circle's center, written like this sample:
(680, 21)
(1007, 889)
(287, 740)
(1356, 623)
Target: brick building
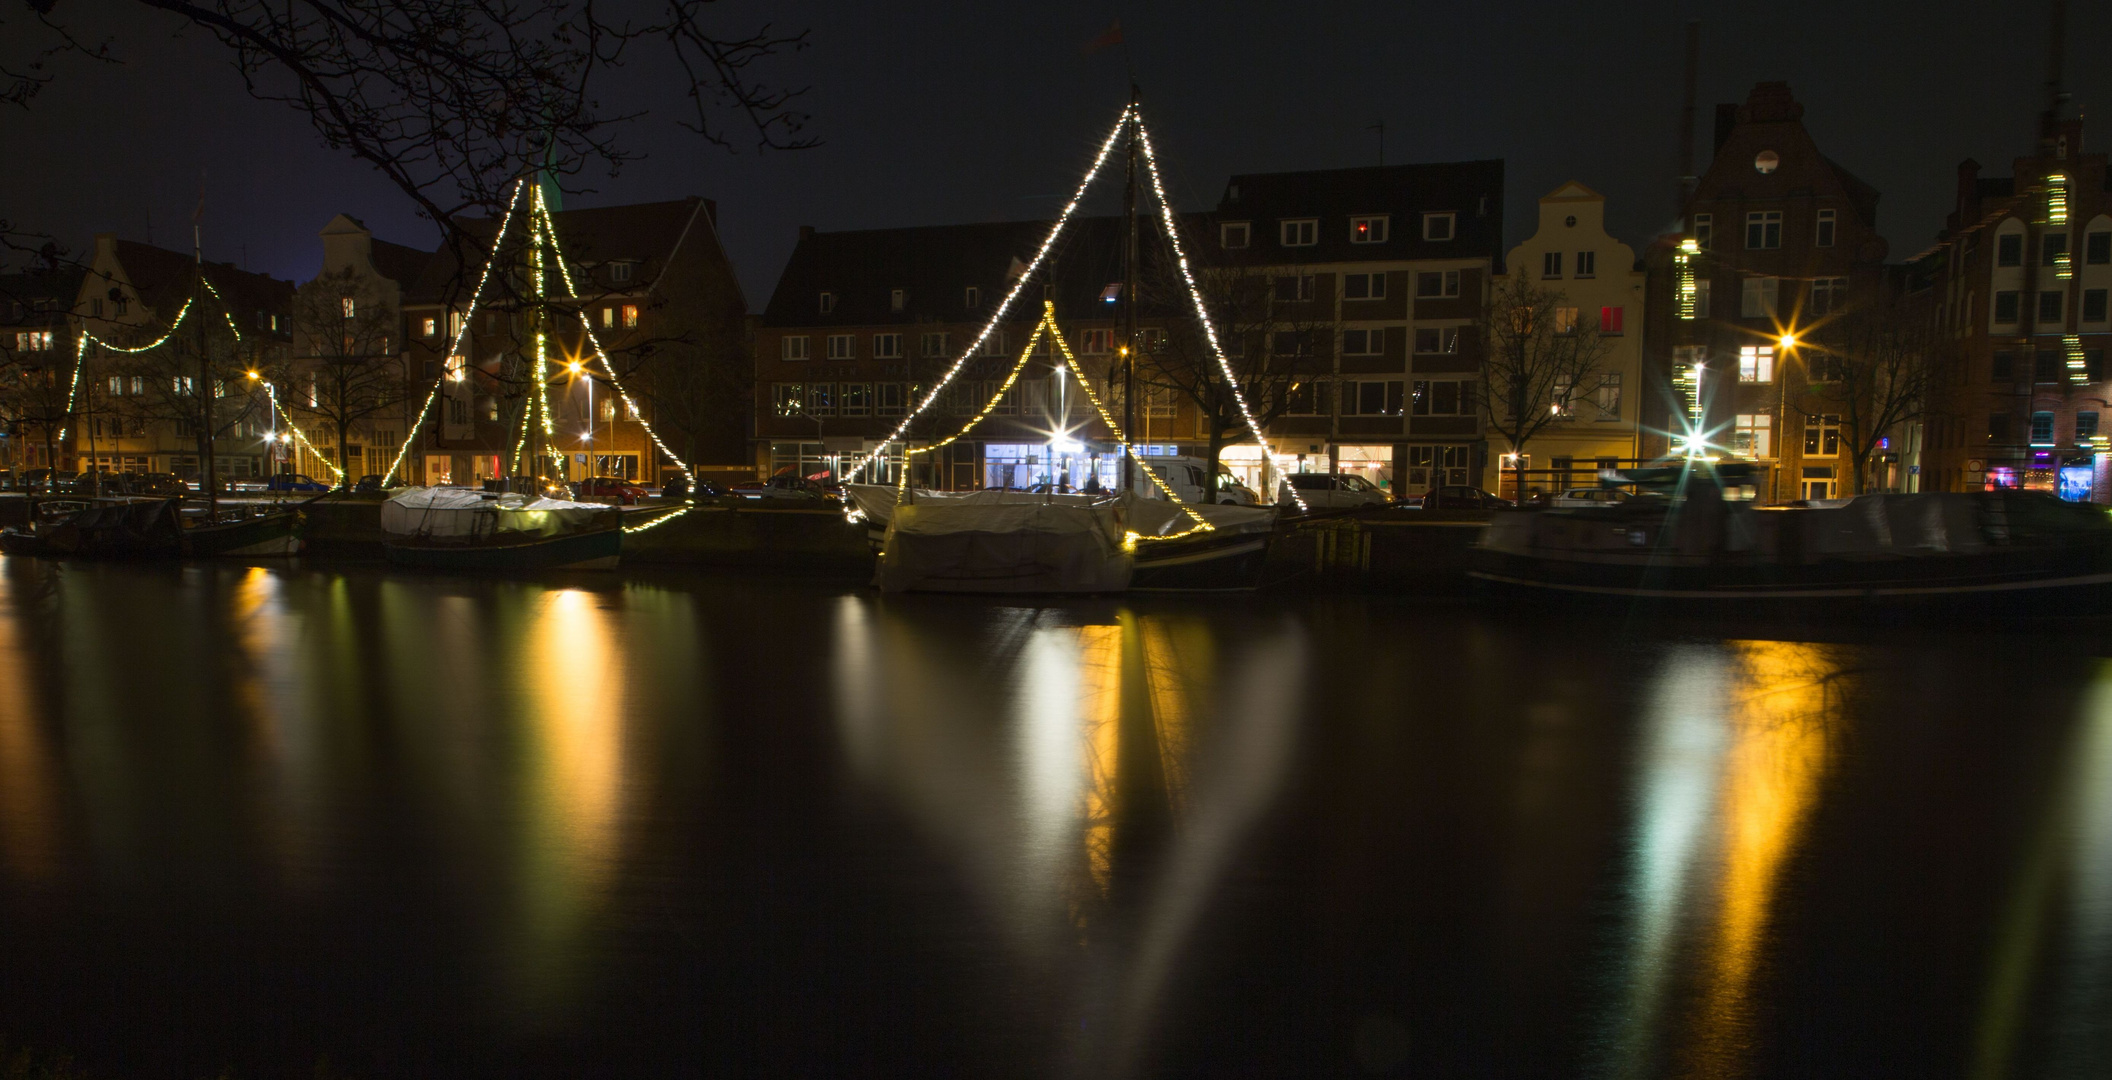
(1777, 237)
(2022, 272)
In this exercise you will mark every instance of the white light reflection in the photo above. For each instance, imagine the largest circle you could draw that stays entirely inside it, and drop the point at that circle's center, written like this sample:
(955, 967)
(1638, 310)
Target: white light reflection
(1681, 768)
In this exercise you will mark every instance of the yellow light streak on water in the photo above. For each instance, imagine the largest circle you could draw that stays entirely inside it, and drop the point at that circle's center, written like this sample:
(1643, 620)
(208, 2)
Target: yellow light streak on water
(27, 816)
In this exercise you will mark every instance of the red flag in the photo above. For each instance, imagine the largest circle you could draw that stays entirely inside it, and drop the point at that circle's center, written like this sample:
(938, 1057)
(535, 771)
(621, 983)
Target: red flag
(1111, 36)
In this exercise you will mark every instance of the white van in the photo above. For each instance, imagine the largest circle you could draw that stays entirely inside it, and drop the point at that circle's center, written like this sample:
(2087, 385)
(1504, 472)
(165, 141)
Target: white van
(1185, 476)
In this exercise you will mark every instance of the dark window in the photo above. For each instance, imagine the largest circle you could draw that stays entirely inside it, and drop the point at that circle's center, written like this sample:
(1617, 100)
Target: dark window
(2093, 305)
(2006, 306)
(2050, 307)
(2097, 248)
(2046, 366)
(2042, 429)
(2094, 365)
(2051, 247)
(2085, 426)
(2009, 250)
(1299, 287)
(2003, 367)
(1551, 265)
(1363, 286)
(1763, 229)
(1998, 427)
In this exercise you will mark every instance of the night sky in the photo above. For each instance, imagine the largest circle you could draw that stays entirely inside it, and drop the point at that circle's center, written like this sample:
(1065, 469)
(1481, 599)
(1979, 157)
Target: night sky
(943, 112)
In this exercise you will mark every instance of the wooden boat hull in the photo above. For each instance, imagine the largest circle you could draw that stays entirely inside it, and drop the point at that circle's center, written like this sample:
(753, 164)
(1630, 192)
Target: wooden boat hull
(259, 537)
(112, 530)
(599, 549)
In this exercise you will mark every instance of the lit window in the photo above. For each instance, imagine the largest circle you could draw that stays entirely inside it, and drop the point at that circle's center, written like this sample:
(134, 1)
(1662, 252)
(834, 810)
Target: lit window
(1233, 234)
(1610, 320)
(1826, 229)
(630, 316)
(1368, 230)
(1565, 320)
(1439, 226)
(1097, 342)
(1701, 298)
(428, 327)
(1300, 232)
(792, 347)
(1753, 436)
(1756, 363)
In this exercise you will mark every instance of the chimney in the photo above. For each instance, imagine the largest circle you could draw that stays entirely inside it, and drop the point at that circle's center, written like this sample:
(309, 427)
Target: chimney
(1968, 191)
(1726, 119)
(105, 246)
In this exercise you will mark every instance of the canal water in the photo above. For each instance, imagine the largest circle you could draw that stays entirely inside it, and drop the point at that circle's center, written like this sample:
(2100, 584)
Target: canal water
(271, 820)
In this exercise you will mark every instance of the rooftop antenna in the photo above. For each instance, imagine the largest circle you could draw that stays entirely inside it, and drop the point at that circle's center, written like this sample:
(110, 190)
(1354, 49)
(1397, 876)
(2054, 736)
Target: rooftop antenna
(1687, 178)
(1380, 127)
(2056, 95)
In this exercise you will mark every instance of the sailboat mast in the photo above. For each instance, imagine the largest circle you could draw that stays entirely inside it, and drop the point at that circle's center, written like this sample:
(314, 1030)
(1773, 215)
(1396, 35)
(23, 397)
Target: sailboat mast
(204, 389)
(1129, 298)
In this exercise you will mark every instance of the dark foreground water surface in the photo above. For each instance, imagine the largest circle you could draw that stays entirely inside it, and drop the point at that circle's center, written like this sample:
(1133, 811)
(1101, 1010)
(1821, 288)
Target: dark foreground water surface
(260, 819)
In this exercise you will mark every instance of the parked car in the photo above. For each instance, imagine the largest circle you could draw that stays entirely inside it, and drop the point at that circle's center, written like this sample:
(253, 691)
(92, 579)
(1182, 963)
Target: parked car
(294, 482)
(1185, 476)
(374, 482)
(1461, 497)
(1330, 491)
(625, 492)
(45, 482)
(781, 487)
(1591, 496)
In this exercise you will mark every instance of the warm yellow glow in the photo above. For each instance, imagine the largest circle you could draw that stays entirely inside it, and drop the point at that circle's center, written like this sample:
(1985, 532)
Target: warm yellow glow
(573, 367)
(28, 779)
(1123, 351)
(1778, 756)
(253, 376)
(1787, 342)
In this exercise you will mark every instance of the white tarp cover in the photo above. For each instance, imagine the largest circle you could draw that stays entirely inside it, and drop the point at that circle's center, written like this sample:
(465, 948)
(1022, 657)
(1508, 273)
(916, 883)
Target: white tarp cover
(1158, 517)
(1021, 544)
(444, 512)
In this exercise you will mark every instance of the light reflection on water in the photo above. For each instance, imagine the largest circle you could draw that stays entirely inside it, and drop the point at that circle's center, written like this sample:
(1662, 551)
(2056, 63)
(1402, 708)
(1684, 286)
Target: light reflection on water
(624, 813)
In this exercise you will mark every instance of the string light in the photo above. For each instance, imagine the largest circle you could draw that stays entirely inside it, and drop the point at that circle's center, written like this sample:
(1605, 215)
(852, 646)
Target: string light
(902, 481)
(455, 347)
(303, 439)
(1019, 285)
(659, 521)
(1202, 314)
(1129, 539)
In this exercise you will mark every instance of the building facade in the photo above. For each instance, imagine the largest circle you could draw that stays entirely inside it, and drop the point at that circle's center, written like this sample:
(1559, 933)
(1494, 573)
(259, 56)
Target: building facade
(1375, 277)
(132, 410)
(2022, 272)
(1776, 238)
(659, 290)
(36, 362)
(1597, 278)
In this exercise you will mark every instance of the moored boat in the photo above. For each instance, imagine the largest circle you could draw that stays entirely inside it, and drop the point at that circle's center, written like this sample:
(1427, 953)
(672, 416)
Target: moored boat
(2010, 550)
(268, 534)
(455, 529)
(111, 529)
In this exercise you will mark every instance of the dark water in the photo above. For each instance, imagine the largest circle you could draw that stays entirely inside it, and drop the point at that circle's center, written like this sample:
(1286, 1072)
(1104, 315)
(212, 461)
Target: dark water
(415, 826)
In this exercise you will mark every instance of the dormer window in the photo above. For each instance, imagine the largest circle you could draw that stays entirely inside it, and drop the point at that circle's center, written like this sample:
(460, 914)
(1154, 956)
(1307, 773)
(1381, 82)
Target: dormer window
(620, 272)
(1439, 226)
(1300, 232)
(1233, 235)
(828, 303)
(1371, 229)
(897, 299)
(973, 298)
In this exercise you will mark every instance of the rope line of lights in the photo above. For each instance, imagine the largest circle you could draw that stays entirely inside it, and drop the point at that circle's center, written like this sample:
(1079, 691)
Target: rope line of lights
(565, 272)
(448, 374)
(1202, 314)
(1018, 286)
(902, 481)
(659, 521)
(1130, 538)
(80, 354)
(303, 439)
